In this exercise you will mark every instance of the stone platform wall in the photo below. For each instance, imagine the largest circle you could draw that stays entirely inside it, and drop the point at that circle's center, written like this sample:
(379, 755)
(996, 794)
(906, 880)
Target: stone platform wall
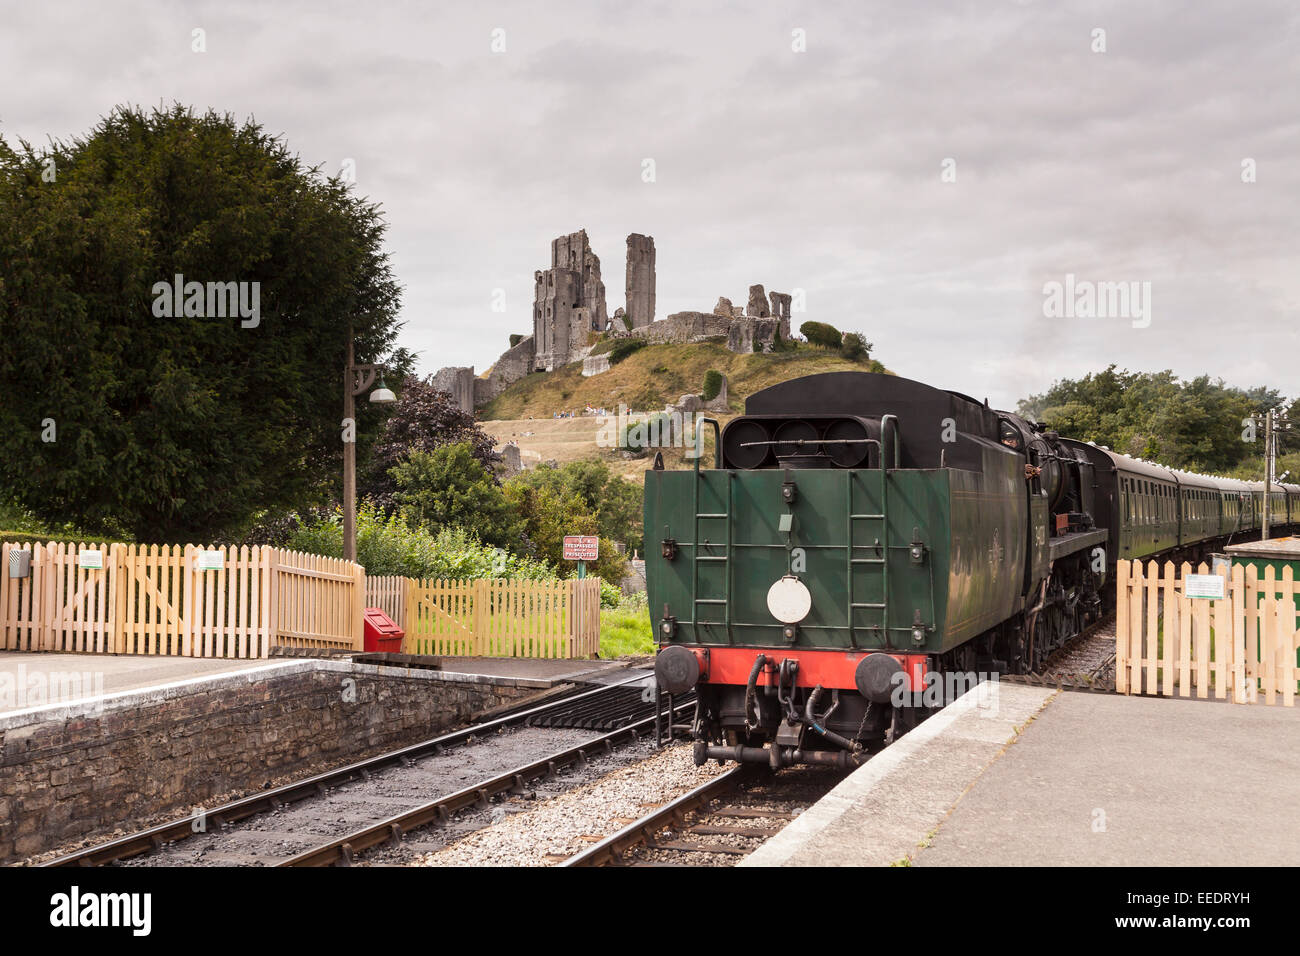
(71, 771)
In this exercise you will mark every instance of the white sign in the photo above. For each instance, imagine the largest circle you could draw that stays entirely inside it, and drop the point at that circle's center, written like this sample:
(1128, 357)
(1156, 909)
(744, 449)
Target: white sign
(94, 560)
(209, 561)
(1203, 586)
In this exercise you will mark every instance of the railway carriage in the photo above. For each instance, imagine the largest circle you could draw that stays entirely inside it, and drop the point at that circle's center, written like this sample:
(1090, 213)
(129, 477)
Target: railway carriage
(862, 537)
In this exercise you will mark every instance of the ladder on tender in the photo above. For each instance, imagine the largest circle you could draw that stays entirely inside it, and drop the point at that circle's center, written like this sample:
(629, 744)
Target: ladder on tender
(698, 557)
(880, 545)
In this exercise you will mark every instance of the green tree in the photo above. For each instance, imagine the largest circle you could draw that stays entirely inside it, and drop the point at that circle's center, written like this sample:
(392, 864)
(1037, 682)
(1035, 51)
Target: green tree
(1194, 424)
(614, 501)
(549, 514)
(423, 419)
(450, 487)
(180, 427)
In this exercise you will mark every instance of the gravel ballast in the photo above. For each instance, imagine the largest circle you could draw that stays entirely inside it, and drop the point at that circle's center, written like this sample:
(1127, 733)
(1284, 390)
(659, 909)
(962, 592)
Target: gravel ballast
(550, 832)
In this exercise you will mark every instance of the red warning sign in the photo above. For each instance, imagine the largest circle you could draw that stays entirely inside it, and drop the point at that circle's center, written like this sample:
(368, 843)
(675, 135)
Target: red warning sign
(581, 547)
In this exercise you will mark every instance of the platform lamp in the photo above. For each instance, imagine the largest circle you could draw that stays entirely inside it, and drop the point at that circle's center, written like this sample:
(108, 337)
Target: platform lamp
(356, 380)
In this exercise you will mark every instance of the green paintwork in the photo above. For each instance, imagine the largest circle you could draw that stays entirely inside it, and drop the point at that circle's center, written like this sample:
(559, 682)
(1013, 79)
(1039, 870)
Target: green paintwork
(970, 523)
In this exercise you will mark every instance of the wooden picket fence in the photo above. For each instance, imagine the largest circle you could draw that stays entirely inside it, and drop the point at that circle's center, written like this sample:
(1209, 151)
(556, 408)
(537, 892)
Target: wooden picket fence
(151, 599)
(388, 593)
(1243, 645)
(494, 618)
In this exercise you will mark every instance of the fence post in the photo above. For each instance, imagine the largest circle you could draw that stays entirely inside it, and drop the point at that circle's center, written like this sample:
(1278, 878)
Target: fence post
(48, 577)
(5, 584)
(117, 596)
(410, 646)
(187, 617)
(270, 598)
(358, 606)
(1121, 626)
(480, 615)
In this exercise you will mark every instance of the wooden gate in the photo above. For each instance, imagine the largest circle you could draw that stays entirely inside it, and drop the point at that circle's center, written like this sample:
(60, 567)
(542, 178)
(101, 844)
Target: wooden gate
(499, 618)
(58, 606)
(151, 599)
(153, 584)
(1244, 644)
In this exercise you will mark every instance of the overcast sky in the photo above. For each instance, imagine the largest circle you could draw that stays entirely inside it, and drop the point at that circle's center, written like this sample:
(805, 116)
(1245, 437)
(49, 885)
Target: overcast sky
(819, 170)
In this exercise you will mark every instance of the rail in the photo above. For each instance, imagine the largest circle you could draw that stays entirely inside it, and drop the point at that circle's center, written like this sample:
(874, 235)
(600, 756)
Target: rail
(149, 840)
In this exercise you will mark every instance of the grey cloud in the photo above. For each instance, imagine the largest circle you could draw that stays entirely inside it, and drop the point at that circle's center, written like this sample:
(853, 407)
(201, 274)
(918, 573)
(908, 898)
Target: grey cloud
(817, 170)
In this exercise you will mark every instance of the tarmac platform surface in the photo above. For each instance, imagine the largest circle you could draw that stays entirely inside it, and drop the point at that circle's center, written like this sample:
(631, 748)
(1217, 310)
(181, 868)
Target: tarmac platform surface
(106, 673)
(1055, 778)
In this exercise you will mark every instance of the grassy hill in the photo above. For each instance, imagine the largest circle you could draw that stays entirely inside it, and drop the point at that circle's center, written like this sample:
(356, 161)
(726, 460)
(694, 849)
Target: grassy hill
(656, 375)
(645, 381)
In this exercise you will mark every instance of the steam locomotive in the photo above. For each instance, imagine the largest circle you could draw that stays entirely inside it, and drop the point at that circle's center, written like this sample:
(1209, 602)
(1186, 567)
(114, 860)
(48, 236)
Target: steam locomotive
(862, 535)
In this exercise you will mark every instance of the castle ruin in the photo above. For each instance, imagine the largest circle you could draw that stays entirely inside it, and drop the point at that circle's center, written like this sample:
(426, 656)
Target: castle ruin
(640, 284)
(569, 311)
(568, 302)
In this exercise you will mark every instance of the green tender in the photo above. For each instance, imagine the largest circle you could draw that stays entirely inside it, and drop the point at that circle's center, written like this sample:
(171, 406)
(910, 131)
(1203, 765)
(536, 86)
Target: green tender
(856, 529)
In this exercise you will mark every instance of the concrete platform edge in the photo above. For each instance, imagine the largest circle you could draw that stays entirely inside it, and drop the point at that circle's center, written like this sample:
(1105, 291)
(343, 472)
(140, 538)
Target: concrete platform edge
(964, 719)
(143, 696)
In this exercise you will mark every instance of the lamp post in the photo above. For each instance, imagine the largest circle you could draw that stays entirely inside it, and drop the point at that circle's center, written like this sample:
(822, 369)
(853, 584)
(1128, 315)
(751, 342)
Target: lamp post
(356, 379)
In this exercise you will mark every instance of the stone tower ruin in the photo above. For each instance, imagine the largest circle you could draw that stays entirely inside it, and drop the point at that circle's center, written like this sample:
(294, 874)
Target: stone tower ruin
(640, 280)
(568, 302)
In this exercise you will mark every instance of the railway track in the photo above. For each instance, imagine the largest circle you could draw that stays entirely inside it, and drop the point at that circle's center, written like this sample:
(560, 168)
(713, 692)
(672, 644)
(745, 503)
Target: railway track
(274, 825)
(1085, 663)
(730, 816)
(718, 823)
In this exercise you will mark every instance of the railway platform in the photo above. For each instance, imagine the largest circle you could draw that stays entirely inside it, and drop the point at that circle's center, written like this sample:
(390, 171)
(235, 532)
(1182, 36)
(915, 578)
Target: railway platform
(83, 736)
(1059, 778)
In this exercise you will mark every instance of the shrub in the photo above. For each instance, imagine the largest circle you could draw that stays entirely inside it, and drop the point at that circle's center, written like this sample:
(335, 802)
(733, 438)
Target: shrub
(712, 385)
(548, 515)
(855, 347)
(610, 595)
(388, 545)
(515, 339)
(819, 333)
(640, 437)
(623, 348)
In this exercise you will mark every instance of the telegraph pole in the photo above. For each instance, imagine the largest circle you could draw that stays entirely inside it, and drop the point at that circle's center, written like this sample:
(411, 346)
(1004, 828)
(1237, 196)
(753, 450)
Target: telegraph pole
(1275, 422)
(1270, 455)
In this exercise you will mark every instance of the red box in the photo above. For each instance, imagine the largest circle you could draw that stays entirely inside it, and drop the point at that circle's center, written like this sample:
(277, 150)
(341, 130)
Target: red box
(381, 633)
